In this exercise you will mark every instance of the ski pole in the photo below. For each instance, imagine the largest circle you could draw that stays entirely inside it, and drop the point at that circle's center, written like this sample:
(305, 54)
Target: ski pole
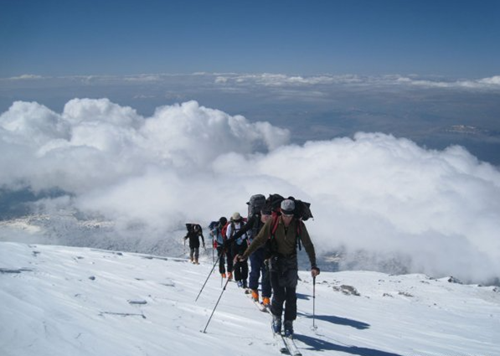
(314, 303)
(216, 304)
(207, 278)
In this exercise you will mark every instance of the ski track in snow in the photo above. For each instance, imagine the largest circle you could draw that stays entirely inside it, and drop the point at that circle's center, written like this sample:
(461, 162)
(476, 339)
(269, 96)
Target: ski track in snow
(58, 300)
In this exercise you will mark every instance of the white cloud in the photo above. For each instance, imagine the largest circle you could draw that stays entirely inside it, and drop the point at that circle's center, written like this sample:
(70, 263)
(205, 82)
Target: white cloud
(493, 80)
(485, 83)
(28, 77)
(282, 80)
(269, 81)
(186, 162)
(32, 124)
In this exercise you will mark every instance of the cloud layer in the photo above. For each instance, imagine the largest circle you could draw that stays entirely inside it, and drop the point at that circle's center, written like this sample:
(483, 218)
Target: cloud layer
(436, 212)
(270, 80)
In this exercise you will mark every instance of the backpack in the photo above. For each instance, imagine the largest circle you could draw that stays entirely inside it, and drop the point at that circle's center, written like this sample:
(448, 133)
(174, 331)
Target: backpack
(193, 230)
(191, 227)
(213, 225)
(255, 204)
(213, 232)
(302, 209)
(302, 213)
(273, 202)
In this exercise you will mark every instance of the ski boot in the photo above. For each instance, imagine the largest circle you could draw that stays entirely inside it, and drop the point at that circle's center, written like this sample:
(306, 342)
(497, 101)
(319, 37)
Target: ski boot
(288, 328)
(276, 325)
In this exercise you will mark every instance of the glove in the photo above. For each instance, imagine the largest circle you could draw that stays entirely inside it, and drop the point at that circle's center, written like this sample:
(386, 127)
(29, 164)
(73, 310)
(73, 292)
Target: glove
(314, 271)
(238, 258)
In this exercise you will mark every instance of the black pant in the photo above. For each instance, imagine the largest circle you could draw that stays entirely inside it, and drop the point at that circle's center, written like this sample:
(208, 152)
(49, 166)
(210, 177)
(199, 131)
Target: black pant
(194, 253)
(222, 260)
(284, 277)
(240, 267)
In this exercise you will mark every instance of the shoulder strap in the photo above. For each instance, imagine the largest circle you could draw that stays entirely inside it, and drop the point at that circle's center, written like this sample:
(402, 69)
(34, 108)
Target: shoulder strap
(232, 229)
(299, 232)
(275, 226)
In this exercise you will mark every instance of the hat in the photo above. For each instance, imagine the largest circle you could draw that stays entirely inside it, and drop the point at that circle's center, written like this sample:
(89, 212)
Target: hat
(266, 210)
(287, 207)
(236, 216)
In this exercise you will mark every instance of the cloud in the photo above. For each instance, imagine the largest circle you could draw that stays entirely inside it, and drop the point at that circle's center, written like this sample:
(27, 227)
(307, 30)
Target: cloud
(492, 83)
(373, 195)
(282, 80)
(28, 77)
(95, 142)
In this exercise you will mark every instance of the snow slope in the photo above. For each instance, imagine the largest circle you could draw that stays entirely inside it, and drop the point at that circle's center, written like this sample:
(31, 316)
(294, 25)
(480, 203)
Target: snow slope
(79, 301)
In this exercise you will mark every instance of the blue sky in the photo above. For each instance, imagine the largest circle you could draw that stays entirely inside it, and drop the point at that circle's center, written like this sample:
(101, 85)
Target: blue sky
(53, 38)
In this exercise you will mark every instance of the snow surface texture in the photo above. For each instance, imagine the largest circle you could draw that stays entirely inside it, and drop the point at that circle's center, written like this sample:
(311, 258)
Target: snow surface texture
(80, 301)
(104, 176)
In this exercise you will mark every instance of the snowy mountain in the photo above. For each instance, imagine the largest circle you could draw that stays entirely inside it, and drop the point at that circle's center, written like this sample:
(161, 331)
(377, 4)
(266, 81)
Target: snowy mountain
(78, 301)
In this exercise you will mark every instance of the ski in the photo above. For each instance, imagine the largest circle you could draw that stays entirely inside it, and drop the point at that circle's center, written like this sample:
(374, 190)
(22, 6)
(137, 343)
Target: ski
(285, 345)
(290, 344)
(259, 305)
(280, 342)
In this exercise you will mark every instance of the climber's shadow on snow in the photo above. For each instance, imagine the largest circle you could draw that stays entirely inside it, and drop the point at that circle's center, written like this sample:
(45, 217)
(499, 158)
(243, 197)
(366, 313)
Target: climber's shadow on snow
(340, 321)
(303, 296)
(322, 345)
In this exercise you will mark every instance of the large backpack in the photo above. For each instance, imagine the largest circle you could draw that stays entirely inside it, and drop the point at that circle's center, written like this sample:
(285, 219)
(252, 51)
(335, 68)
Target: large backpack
(273, 202)
(302, 213)
(193, 227)
(302, 209)
(255, 204)
(213, 232)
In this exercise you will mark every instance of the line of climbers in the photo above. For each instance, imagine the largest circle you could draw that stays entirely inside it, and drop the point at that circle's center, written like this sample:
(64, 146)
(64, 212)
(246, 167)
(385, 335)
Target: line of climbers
(270, 237)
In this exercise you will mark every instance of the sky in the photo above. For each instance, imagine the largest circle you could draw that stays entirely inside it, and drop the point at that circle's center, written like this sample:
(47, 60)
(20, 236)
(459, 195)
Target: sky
(54, 38)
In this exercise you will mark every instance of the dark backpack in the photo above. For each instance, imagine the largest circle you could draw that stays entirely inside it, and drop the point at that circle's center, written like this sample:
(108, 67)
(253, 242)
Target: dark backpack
(255, 204)
(213, 225)
(273, 202)
(193, 230)
(190, 227)
(302, 209)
